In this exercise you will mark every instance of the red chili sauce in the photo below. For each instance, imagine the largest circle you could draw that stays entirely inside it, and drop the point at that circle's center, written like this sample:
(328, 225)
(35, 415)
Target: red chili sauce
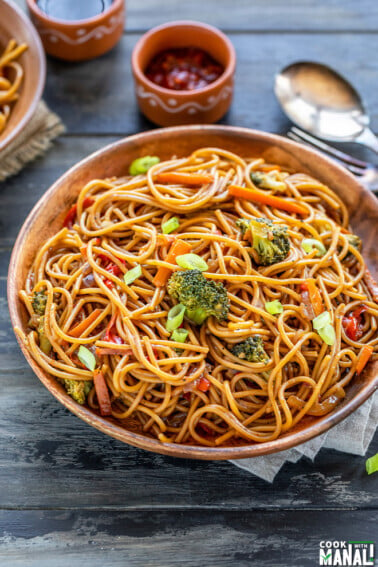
(183, 69)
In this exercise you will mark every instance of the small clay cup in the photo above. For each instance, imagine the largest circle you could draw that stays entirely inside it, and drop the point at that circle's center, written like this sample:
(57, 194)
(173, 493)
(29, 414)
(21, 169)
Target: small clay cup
(167, 107)
(79, 40)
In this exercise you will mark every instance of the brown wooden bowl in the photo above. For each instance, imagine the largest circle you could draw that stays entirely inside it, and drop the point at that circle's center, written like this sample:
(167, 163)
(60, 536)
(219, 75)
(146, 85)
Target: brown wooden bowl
(47, 216)
(14, 24)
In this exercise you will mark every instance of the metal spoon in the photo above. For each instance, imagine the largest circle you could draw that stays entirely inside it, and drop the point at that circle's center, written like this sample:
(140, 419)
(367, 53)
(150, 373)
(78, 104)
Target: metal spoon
(321, 101)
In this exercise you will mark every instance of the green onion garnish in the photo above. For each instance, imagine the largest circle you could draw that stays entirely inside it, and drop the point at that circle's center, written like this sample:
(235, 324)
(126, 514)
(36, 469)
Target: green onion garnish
(170, 225)
(132, 275)
(179, 335)
(327, 334)
(274, 307)
(143, 164)
(86, 357)
(175, 317)
(322, 324)
(308, 244)
(191, 262)
(321, 320)
(372, 464)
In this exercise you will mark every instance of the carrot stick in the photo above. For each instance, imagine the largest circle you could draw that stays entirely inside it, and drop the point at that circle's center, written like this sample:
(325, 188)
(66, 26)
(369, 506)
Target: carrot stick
(81, 327)
(178, 248)
(102, 393)
(269, 167)
(315, 297)
(371, 284)
(366, 353)
(267, 199)
(184, 178)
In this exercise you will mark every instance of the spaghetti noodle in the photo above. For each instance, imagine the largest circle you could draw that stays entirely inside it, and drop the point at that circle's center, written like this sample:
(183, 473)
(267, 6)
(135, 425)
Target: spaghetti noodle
(11, 76)
(288, 313)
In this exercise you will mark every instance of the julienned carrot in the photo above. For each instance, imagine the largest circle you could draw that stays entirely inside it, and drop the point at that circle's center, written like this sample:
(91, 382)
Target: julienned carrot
(365, 355)
(315, 297)
(178, 248)
(268, 167)
(184, 178)
(371, 284)
(78, 330)
(267, 199)
(102, 393)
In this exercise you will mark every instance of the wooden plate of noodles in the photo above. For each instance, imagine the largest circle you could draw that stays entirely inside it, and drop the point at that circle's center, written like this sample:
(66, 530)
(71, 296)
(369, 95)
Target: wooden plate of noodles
(22, 77)
(47, 218)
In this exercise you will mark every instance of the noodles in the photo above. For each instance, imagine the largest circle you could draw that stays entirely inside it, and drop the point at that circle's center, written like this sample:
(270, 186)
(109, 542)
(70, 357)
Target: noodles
(11, 76)
(245, 372)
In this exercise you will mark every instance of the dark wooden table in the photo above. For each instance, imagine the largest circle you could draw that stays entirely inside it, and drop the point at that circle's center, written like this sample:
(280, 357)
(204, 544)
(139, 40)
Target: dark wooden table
(69, 496)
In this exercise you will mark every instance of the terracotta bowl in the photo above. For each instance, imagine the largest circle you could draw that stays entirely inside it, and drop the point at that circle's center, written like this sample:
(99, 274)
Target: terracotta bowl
(81, 39)
(167, 107)
(47, 216)
(14, 24)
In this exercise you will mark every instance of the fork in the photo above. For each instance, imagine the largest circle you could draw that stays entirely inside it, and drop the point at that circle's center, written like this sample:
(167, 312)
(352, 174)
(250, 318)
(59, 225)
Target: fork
(366, 172)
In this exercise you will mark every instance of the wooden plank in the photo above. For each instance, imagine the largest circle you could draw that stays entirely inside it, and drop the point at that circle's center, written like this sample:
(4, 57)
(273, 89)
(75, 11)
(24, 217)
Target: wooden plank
(97, 97)
(169, 539)
(259, 15)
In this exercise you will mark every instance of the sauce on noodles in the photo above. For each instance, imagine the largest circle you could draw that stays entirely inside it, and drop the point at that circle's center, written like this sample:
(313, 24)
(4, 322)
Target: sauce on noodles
(11, 76)
(293, 323)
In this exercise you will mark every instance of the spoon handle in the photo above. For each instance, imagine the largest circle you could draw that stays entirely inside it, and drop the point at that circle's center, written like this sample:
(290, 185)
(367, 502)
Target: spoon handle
(369, 139)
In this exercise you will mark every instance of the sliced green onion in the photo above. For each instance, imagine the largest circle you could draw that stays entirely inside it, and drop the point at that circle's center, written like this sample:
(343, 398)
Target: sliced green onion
(170, 225)
(327, 334)
(86, 357)
(175, 317)
(179, 335)
(191, 262)
(372, 464)
(321, 320)
(308, 244)
(132, 275)
(143, 164)
(274, 307)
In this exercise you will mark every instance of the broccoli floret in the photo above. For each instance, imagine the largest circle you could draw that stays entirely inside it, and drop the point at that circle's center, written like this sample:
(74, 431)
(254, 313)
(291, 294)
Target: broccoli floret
(39, 302)
(201, 297)
(44, 343)
(270, 241)
(268, 180)
(257, 178)
(243, 224)
(78, 389)
(354, 241)
(252, 349)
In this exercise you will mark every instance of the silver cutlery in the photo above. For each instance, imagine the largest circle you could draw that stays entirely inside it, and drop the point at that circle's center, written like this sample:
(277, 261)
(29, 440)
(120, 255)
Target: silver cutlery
(319, 100)
(365, 171)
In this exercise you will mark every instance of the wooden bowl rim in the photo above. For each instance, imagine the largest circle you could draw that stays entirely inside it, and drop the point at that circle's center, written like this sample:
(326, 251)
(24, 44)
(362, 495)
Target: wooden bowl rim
(37, 95)
(288, 441)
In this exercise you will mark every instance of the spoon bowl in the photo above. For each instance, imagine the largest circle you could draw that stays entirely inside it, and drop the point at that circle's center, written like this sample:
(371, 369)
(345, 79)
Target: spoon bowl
(318, 99)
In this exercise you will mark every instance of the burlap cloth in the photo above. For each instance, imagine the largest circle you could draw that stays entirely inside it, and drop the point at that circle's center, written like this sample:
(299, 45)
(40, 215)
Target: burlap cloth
(33, 141)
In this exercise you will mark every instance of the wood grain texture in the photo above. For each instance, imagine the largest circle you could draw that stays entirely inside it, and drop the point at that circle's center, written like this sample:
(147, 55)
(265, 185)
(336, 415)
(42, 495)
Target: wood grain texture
(260, 15)
(97, 97)
(169, 539)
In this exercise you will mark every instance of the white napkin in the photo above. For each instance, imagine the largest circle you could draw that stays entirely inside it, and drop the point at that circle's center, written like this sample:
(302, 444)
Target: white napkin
(34, 140)
(353, 435)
